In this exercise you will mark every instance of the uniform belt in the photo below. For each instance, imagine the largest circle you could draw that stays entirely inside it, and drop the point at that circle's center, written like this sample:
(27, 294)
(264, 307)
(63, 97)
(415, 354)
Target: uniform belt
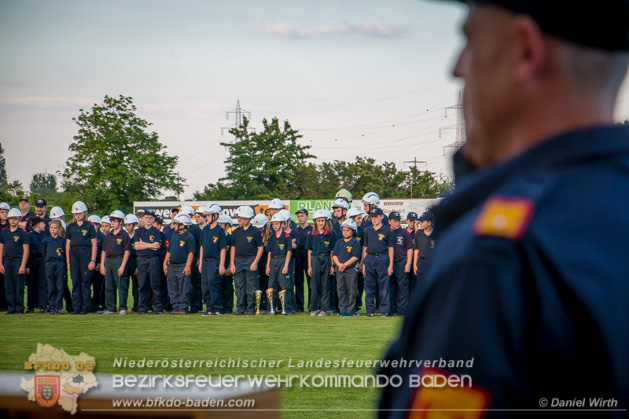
(278, 256)
(322, 254)
(376, 254)
(148, 257)
(210, 258)
(115, 257)
(13, 258)
(244, 257)
(54, 260)
(80, 247)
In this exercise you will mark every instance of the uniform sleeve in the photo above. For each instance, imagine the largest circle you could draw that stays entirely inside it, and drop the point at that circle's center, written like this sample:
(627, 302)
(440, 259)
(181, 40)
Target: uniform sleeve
(44, 246)
(258, 236)
(357, 250)
(392, 239)
(295, 235)
(365, 238)
(333, 239)
(222, 239)
(192, 245)
(409, 241)
(416, 240)
(337, 248)
(309, 242)
(92, 231)
(26, 239)
(126, 243)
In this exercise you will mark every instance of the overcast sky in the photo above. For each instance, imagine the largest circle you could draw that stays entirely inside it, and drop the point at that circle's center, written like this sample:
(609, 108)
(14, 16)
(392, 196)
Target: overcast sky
(366, 78)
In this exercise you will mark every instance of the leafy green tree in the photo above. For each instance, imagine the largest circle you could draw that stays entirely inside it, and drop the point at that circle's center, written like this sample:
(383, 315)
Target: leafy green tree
(116, 160)
(43, 182)
(261, 165)
(3, 168)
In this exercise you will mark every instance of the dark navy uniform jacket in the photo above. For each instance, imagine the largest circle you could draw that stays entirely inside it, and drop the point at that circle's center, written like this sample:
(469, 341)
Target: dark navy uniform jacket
(116, 244)
(36, 248)
(54, 248)
(81, 235)
(425, 244)
(246, 241)
(378, 241)
(303, 236)
(530, 279)
(321, 243)
(402, 241)
(279, 246)
(345, 250)
(14, 242)
(148, 235)
(180, 246)
(213, 241)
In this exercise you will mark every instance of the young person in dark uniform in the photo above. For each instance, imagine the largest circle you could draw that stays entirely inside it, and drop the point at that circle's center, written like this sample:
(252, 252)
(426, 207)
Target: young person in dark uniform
(320, 245)
(14, 250)
(377, 264)
(130, 222)
(424, 245)
(301, 260)
(57, 213)
(113, 261)
(339, 208)
(178, 264)
(225, 222)
(148, 241)
(261, 222)
(81, 248)
(346, 255)
(56, 266)
(411, 220)
(278, 266)
(158, 223)
(36, 268)
(356, 214)
(402, 265)
(194, 290)
(245, 254)
(98, 280)
(168, 230)
(291, 228)
(4, 222)
(213, 254)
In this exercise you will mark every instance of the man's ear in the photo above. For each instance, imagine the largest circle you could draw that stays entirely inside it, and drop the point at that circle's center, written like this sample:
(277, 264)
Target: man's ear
(530, 49)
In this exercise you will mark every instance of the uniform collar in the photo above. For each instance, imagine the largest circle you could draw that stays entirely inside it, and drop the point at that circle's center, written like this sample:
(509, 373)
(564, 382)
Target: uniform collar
(473, 187)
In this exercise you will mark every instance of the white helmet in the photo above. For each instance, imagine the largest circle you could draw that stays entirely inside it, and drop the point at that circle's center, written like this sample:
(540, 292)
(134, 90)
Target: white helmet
(371, 198)
(349, 223)
(259, 220)
(131, 219)
(106, 219)
(213, 209)
(328, 214)
(279, 217)
(276, 203)
(319, 214)
(246, 211)
(78, 207)
(186, 209)
(5, 206)
(183, 219)
(94, 219)
(56, 212)
(354, 211)
(117, 214)
(201, 210)
(340, 203)
(225, 219)
(286, 214)
(14, 212)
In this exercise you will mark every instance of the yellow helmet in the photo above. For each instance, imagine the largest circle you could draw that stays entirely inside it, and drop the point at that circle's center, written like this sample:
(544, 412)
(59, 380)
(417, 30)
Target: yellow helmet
(344, 194)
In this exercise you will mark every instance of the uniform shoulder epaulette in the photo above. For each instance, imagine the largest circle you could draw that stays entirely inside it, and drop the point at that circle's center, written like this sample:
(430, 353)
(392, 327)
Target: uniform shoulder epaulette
(506, 217)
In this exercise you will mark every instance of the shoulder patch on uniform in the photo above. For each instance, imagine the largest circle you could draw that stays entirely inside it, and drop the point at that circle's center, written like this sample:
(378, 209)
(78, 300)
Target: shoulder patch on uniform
(439, 399)
(504, 217)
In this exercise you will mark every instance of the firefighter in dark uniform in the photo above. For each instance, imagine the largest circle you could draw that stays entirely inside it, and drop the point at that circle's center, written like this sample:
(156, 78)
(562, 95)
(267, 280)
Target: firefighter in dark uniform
(411, 220)
(529, 281)
(225, 222)
(213, 252)
(36, 268)
(301, 259)
(81, 252)
(40, 211)
(27, 214)
(168, 230)
(425, 241)
(356, 214)
(14, 250)
(377, 264)
(178, 264)
(158, 223)
(402, 265)
(148, 241)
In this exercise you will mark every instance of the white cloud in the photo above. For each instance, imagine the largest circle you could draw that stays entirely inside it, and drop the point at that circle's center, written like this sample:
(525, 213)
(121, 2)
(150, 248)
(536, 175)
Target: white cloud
(365, 30)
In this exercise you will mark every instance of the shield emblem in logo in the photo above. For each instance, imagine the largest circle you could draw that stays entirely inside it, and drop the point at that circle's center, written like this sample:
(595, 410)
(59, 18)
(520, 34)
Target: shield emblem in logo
(47, 389)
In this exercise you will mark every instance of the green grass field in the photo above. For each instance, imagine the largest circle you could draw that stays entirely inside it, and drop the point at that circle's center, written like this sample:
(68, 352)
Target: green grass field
(299, 337)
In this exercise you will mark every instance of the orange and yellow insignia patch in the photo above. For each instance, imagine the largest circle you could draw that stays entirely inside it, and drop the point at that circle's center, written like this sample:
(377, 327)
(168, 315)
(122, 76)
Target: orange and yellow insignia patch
(504, 217)
(445, 402)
